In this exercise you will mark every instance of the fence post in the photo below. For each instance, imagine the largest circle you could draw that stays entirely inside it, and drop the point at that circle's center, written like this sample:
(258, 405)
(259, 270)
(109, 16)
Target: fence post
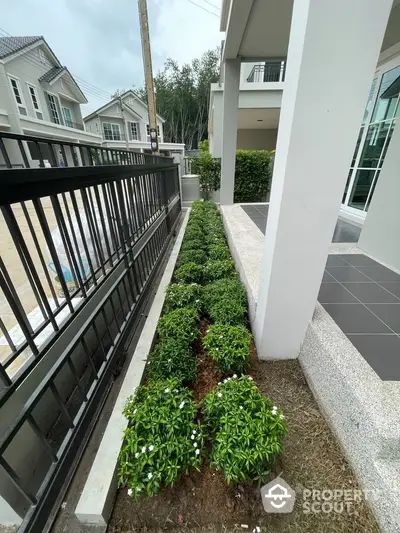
(164, 191)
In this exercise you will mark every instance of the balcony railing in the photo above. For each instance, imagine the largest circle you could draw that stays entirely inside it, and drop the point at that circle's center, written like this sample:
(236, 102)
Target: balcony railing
(270, 71)
(81, 245)
(74, 125)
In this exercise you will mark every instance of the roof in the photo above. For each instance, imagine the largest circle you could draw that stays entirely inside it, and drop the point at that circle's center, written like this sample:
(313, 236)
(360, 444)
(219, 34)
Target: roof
(111, 102)
(10, 45)
(52, 73)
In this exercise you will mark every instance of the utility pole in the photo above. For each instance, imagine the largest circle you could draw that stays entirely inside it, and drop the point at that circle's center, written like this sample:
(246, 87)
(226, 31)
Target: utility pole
(148, 73)
(121, 105)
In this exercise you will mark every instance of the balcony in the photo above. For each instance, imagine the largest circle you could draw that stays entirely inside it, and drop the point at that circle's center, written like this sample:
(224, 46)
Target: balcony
(74, 125)
(270, 71)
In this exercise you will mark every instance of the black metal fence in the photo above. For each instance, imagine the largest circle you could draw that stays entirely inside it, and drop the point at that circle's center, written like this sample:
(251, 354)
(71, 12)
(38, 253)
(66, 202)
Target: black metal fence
(81, 247)
(270, 71)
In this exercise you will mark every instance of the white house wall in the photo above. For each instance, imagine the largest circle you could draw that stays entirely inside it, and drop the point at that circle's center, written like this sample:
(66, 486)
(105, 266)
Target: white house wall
(256, 139)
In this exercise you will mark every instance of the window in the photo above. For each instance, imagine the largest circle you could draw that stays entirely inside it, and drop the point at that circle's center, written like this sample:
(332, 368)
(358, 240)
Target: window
(67, 117)
(42, 57)
(111, 132)
(53, 108)
(16, 89)
(35, 102)
(134, 131)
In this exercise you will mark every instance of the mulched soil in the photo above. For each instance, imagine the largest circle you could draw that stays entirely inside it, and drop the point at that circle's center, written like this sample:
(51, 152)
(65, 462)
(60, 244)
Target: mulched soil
(202, 501)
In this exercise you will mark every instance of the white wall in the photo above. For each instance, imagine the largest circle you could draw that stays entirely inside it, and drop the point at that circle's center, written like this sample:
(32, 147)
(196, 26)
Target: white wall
(380, 234)
(256, 139)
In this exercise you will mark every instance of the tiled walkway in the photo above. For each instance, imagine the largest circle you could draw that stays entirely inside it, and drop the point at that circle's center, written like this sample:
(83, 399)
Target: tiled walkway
(363, 298)
(344, 231)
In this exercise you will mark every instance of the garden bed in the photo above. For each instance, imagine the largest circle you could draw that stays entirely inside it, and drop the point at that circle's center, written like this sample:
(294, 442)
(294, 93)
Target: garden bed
(206, 492)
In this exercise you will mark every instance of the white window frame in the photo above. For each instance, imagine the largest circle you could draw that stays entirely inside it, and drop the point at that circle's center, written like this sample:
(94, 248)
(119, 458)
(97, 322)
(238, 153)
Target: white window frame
(112, 132)
(37, 109)
(42, 57)
(51, 115)
(21, 105)
(137, 127)
(65, 118)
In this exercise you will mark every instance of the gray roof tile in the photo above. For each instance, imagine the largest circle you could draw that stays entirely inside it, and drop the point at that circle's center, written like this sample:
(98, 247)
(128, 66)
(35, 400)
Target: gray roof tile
(52, 73)
(9, 45)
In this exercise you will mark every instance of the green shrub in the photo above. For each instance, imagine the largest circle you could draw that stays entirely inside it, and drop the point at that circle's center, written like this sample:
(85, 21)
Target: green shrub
(193, 244)
(192, 256)
(162, 440)
(230, 289)
(228, 311)
(247, 430)
(229, 346)
(209, 170)
(214, 270)
(219, 252)
(252, 175)
(182, 295)
(180, 324)
(189, 273)
(172, 358)
(194, 233)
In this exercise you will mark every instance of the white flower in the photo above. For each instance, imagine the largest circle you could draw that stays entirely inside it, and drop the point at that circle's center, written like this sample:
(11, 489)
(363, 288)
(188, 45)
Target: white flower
(151, 448)
(207, 331)
(194, 432)
(130, 492)
(234, 376)
(134, 412)
(144, 449)
(240, 406)
(281, 417)
(216, 349)
(149, 475)
(250, 378)
(219, 395)
(197, 301)
(274, 408)
(219, 383)
(197, 451)
(225, 380)
(221, 337)
(169, 360)
(273, 412)
(167, 390)
(181, 404)
(228, 379)
(193, 437)
(136, 455)
(195, 444)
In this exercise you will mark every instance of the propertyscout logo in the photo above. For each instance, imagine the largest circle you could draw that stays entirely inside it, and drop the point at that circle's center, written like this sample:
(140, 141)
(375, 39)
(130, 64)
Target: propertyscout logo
(279, 497)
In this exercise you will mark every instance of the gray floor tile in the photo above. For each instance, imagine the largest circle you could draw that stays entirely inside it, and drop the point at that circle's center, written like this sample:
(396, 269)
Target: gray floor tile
(355, 318)
(389, 313)
(379, 273)
(334, 293)
(327, 278)
(346, 232)
(358, 260)
(392, 287)
(335, 260)
(382, 352)
(346, 273)
(369, 293)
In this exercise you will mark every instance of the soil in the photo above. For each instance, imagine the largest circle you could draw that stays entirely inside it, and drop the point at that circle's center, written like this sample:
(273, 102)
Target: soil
(312, 459)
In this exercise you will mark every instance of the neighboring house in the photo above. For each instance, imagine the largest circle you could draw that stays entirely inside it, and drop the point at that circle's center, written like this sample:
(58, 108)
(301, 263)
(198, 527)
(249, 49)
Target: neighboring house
(124, 123)
(260, 97)
(38, 95)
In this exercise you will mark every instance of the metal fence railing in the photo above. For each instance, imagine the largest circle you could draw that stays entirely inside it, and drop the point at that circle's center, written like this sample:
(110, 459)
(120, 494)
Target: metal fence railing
(80, 247)
(270, 71)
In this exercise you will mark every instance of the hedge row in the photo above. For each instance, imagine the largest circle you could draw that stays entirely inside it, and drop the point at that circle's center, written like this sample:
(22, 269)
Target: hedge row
(165, 437)
(253, 174)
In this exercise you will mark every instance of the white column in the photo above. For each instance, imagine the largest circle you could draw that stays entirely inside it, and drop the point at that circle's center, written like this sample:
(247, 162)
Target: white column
(380, 234)
(333, 51)
(230, 105)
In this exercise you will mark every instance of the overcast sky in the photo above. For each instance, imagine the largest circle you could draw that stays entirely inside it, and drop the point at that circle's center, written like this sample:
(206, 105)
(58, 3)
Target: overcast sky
(99, 40)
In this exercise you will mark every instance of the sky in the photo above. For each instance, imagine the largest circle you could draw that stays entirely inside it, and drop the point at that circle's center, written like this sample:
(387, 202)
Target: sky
(99, 40)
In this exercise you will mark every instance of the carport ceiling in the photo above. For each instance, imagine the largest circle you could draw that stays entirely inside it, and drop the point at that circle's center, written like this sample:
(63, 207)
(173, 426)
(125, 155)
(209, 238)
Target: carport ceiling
(248, 119)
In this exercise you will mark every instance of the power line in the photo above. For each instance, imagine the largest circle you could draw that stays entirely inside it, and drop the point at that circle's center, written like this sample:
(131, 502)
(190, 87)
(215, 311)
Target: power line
(204, 8)
(207, 2)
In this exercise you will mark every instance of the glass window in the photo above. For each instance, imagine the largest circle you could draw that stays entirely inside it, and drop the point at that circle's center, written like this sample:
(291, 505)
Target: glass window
(373, 145)
(35, 102)
(347, 185)
(369, 102)
(134, 131)
(16, 89)
(361, 187)
(53, 108)
(357, 147)
(386, 103)
(67, 116)
(111, 131)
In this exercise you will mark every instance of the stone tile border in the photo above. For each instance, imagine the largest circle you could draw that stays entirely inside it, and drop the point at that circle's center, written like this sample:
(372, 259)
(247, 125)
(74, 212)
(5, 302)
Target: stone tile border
(96, 502)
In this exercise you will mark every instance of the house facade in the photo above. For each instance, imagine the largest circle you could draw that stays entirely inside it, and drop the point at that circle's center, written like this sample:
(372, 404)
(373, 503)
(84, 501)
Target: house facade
(38, 95)
(123, 123)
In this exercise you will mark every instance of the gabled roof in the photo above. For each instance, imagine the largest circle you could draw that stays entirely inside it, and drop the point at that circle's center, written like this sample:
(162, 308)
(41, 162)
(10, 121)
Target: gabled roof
(114, 100)
(10, 45)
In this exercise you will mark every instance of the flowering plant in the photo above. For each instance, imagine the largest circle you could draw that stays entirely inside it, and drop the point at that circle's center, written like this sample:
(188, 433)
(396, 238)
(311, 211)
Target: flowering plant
(163, 438)
(214, 270)
(247, 430)
(192, 256)
(183, 295)
(179, 324)
(189, 273)
(172, 357)
(229, 346)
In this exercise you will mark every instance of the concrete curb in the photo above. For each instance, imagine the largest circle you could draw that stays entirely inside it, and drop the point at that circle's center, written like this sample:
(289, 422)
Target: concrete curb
(96, 502)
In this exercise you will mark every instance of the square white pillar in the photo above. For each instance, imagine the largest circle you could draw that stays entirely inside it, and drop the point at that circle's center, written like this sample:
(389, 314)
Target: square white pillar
(333, 51)
(230, 103)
